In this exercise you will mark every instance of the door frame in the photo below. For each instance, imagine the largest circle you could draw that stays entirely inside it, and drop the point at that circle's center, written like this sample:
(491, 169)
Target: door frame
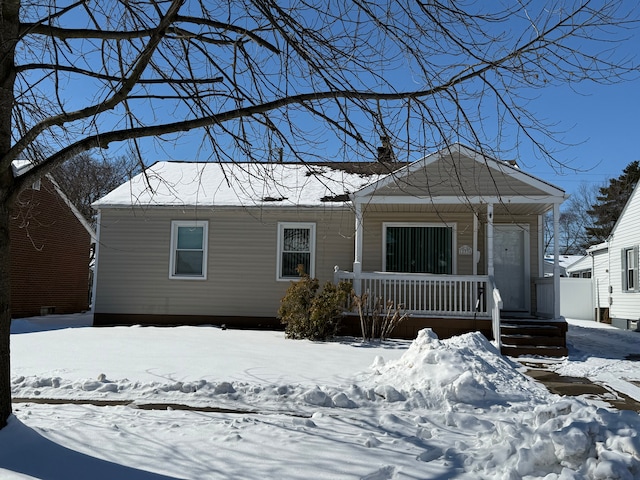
(525, 228)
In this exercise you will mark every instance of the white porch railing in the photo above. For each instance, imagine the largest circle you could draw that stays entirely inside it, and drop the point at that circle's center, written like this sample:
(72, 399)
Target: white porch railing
(495, 313)
(426, 294)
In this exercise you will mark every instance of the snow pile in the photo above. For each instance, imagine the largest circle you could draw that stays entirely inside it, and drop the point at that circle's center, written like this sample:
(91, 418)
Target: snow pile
(450, 408)
(465, 369)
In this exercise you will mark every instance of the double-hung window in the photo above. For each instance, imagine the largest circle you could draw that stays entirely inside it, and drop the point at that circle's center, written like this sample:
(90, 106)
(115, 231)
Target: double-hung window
(419, 248)
(630, 269)
(296, 247)
(188, 259)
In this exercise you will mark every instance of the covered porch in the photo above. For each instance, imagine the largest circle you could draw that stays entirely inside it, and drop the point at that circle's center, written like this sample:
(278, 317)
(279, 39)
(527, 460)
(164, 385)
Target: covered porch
(456, 241)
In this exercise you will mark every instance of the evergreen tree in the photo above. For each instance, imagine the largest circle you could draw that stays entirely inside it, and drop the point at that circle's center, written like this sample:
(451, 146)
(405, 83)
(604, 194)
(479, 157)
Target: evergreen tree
(611, 202)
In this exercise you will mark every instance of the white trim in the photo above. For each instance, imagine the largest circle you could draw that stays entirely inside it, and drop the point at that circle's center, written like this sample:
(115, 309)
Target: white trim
(83, 221)
(312, 247)
(175, 224)
(453, 199)
(454, 239)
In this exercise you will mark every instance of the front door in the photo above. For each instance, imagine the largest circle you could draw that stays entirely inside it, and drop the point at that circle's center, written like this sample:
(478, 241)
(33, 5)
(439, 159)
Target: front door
(511, 265)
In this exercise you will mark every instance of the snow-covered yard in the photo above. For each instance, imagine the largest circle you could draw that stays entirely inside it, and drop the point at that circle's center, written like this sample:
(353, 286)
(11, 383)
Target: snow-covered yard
(267, 407)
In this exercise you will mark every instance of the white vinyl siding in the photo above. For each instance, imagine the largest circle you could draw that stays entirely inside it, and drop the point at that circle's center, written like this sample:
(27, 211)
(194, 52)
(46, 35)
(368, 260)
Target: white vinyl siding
(188, 250)
(296, 246)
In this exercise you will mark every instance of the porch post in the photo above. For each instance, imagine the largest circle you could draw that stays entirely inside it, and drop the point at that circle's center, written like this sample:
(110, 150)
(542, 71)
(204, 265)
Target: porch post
(490, 270)
(475, 243)
(357, 261)
(556, 261)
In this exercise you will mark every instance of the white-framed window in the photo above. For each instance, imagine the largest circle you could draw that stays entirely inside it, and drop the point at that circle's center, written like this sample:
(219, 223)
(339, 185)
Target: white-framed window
(630, 269)
(188, 258)
(419, 248)
(296, 246)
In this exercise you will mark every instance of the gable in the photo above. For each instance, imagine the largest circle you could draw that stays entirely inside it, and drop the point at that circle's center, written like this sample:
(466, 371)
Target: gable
(463, 173)
(626, 230)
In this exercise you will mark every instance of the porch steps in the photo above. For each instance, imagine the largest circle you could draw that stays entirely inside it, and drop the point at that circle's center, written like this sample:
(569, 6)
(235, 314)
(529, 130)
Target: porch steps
(532, 336)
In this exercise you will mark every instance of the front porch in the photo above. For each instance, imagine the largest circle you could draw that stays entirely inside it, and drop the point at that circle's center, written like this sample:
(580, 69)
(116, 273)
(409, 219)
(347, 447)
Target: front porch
(455, 304)
(455, 239)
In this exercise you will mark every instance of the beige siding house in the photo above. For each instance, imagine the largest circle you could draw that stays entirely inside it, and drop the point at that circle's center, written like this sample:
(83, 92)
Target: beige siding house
(455, 237)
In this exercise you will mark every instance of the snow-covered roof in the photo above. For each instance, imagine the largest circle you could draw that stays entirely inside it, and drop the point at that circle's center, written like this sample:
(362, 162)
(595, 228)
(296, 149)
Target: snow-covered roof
(565, 261)
(584, 263)
(239, 184)
(20, 167)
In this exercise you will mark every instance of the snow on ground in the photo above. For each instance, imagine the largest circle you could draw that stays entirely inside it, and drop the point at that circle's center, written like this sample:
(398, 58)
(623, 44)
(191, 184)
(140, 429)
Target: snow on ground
(427, 409)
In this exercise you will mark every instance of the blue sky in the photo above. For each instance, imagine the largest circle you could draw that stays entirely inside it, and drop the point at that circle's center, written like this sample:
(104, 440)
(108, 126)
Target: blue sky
(596, 126)
(601, 126)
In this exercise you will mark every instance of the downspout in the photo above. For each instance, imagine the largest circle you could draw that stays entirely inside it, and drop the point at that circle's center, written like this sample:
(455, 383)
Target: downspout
(94, 287)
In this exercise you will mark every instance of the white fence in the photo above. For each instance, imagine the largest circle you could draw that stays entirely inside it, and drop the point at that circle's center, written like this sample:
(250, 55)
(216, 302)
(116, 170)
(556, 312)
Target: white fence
(576, 297)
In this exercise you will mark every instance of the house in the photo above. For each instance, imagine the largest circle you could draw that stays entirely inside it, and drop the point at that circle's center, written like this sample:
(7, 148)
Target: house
(451, 237)
(581, 268)
(615, 269)
(566, 261)
(50, 251)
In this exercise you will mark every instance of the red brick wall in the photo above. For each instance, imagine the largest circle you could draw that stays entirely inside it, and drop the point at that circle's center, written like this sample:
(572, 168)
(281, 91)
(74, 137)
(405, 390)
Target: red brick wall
(50, 252)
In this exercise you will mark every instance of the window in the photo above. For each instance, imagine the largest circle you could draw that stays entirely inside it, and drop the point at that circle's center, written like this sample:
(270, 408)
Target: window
(189, 249)
(419, 248)
(296, 246)
(630, 269)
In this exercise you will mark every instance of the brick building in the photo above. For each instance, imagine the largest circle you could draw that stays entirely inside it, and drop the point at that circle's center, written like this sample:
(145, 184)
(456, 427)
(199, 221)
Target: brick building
(50, 253)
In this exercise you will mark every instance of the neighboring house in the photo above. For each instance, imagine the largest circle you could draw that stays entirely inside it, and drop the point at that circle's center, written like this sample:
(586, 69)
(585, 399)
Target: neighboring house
(50, 252)
(219, 243)
(566, 261)
(581, 268)
(615, 269)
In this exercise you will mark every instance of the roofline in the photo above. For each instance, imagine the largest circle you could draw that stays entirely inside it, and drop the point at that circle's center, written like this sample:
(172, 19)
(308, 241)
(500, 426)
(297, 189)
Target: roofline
(73, 209)
(626, 205)
(491, 162)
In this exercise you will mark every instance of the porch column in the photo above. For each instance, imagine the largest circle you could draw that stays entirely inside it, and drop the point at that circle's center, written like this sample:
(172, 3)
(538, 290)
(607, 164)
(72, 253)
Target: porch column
(490, 270)
(556, 260)
(357, 261)
(475, 243)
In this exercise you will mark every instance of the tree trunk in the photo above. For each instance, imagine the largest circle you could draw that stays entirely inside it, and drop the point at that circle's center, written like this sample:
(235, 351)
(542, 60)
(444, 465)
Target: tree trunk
(5, 317)
(9, 26)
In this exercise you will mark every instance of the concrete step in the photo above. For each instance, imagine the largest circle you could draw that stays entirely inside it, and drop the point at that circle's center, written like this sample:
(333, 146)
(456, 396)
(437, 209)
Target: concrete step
(530, 350)
(534, 340)
(532, 336)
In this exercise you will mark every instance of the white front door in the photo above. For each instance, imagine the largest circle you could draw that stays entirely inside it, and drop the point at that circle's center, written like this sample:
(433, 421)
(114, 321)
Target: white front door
(511, 265)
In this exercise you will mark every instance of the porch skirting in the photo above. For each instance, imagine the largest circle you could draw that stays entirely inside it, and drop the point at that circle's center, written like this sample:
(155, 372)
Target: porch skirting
(408, 329)
(444, 327)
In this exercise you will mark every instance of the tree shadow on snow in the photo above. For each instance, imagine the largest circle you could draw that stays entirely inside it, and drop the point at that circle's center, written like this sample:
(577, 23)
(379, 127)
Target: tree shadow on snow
(51, 322)
(24, 451)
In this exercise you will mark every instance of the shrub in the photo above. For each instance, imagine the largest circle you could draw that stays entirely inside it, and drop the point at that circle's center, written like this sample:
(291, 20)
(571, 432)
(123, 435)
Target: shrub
(312, 315)
(377, 321)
